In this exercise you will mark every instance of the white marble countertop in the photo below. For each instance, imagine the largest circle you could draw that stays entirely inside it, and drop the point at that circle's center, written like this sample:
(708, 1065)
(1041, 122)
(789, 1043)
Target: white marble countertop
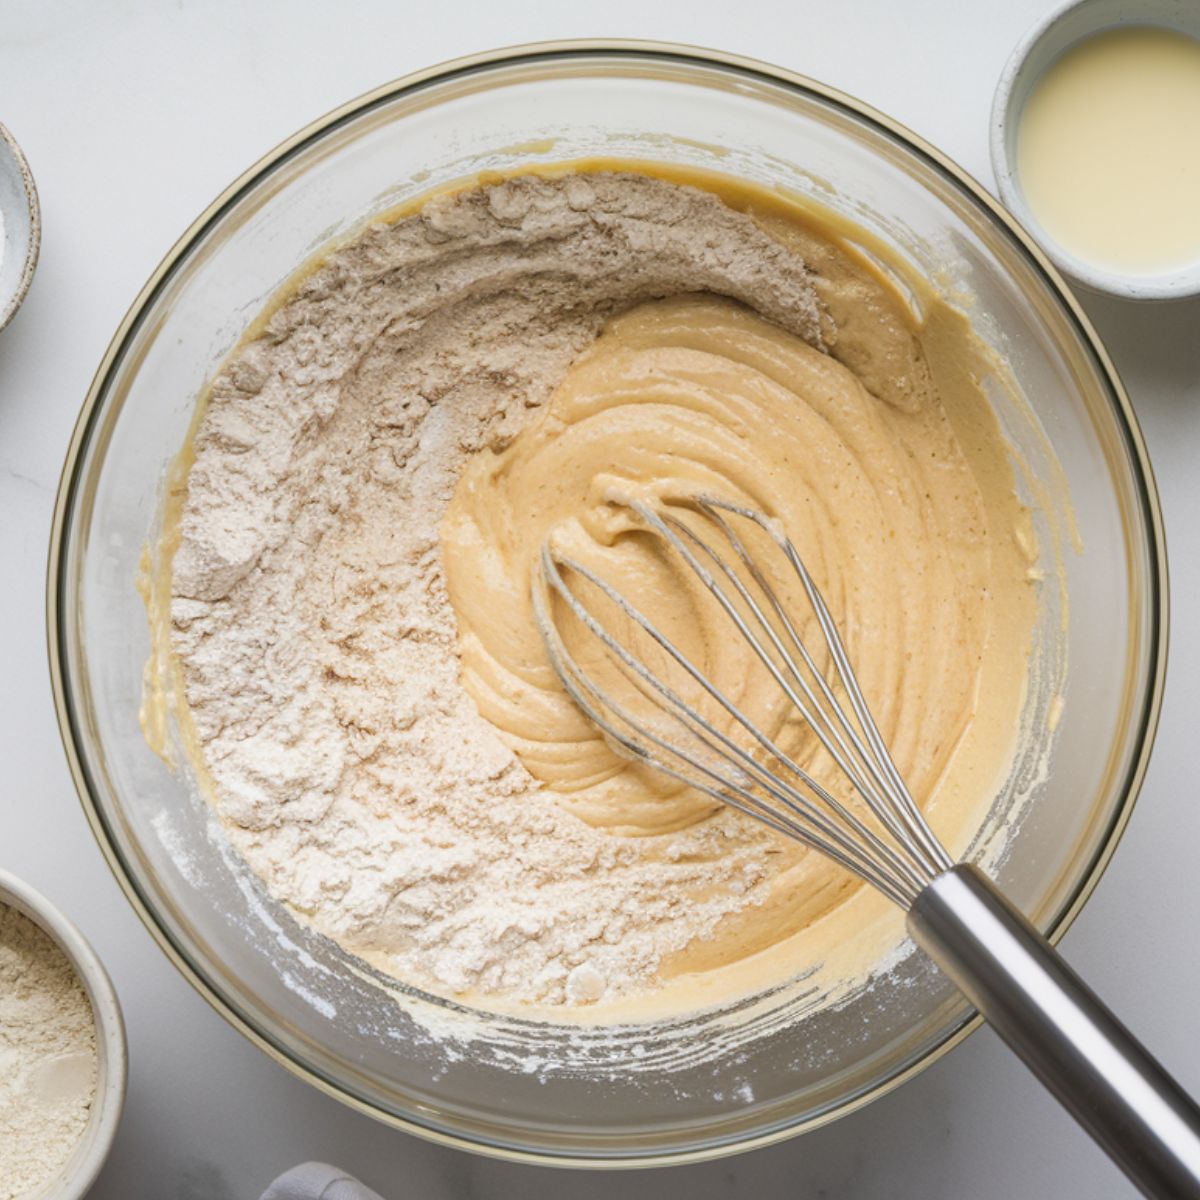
(134, 115)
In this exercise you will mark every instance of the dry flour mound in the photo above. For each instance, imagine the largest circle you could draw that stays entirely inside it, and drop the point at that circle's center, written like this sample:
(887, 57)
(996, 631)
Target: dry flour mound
(309, 611)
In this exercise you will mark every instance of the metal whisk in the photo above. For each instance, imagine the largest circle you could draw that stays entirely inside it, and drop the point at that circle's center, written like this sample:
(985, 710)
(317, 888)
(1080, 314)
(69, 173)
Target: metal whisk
(656, 706)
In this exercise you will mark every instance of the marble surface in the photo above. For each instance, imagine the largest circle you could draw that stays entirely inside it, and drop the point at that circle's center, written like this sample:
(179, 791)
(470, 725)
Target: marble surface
(134, 115)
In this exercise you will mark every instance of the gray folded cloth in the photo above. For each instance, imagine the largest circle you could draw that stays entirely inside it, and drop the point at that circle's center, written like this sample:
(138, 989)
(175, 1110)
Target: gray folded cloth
(318, 1181)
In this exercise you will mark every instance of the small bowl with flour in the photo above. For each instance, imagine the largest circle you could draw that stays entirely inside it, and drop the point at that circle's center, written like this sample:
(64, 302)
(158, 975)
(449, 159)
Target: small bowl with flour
(62, 1052)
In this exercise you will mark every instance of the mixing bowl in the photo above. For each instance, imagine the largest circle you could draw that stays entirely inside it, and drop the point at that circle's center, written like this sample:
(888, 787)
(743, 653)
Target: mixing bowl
(773, 1064)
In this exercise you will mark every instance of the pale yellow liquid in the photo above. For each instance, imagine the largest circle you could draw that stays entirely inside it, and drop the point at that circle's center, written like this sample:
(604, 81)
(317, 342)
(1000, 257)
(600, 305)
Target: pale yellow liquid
(1108, 150)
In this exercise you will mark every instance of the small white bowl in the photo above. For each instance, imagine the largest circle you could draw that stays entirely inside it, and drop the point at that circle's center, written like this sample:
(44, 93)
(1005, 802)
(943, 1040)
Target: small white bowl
(22, 232)
(1035, 52)
(80, 1170)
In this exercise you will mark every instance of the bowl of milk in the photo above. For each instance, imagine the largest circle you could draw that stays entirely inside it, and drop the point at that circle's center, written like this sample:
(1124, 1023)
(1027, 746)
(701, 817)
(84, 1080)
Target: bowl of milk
(1095, 143)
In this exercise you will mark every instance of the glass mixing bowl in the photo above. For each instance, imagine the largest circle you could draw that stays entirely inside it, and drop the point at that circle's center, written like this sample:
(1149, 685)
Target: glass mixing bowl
(677, 1089)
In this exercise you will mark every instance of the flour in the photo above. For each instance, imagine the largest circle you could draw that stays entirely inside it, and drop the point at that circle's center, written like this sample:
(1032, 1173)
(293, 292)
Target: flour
(308, 605)
(47, 1056)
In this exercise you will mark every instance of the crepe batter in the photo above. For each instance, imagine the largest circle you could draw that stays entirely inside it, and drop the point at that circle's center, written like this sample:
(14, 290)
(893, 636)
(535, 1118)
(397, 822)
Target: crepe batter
(341, 594)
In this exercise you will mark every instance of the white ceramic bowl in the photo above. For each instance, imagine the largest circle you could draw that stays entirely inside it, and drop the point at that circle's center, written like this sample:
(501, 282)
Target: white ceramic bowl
(80, 1170)
(22, 226)
(1044, 43)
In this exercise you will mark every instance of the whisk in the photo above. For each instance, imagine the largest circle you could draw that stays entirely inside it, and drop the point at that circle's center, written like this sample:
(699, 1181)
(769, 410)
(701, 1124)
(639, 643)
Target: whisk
(673, 717)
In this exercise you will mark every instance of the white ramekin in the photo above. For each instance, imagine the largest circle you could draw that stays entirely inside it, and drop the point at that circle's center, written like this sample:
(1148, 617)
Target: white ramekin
(22, 234)
(1062, 28)
(80, 1170)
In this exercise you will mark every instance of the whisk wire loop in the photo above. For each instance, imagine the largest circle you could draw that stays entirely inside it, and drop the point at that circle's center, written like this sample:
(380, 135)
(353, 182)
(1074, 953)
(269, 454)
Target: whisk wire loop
(889, 844)
(733, 786)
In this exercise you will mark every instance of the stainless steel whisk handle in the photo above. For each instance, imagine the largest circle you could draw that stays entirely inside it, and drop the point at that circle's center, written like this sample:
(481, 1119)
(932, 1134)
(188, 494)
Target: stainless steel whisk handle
(1062, 1031)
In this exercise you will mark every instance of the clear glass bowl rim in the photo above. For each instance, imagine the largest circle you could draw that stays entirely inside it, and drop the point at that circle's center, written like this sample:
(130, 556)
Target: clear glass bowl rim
(1149, 511)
